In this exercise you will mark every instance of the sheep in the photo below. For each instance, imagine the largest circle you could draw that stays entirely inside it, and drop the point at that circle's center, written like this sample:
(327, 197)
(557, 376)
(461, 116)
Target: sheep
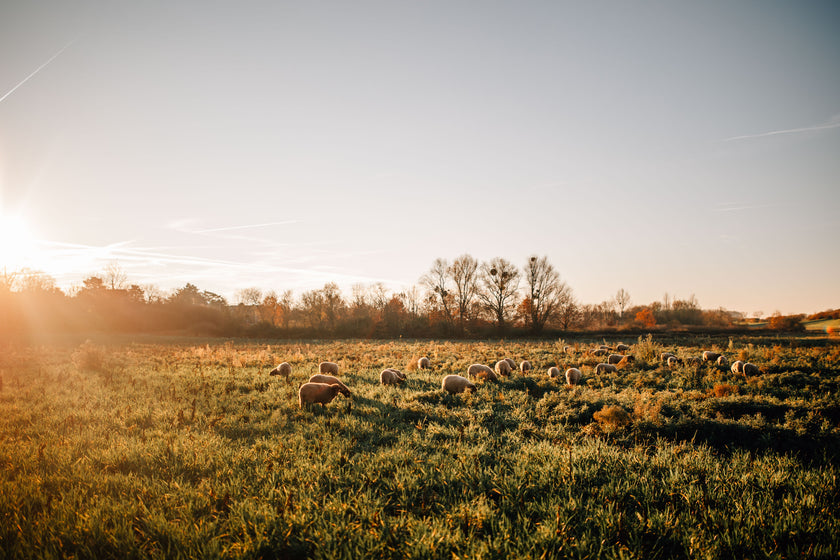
(391, 377)
(751, 369)
(605, 368)
(599, 352)
(525, 366)
(328, 367)
(567, 349)
(614, 358)
(511, 363)
(424, 363)
(709, 356)
(673, 361)
(622, 348)
(456, 384)
(284, 370)
(605, 347)
(663, 357)
(321, 393)
(503, 368)
(554, 372)
(573, 376)
(722, 361)
(330, 380)
(481, 371)
(738, 367)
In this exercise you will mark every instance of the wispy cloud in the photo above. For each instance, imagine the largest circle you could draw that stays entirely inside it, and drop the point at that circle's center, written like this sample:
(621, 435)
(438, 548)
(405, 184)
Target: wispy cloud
(41, 67)
(248, 226)
(833, 122)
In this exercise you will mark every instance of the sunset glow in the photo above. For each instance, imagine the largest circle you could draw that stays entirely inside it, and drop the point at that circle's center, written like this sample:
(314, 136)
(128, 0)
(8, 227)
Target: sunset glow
(17, 244)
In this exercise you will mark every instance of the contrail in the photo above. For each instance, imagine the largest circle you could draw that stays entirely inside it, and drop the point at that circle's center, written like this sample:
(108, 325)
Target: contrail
(831, 124)
(26, 79)
(250, 226)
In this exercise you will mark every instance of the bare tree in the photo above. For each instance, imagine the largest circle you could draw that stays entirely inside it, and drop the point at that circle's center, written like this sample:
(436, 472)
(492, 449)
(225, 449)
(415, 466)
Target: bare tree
(622, 300)
(437, 287)
(546, 292)
(500, 282)
(114, 276)
(463, 274)
(249, 296)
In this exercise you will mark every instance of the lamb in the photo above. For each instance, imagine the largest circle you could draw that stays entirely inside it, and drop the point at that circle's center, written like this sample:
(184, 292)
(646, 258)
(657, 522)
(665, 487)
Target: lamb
(330, 380)
(424, 363)
(511, 363)
(481, 371)
(709, 356)
(722, 361)
(525, 366)
(322, 393)
(503, 368)
(456, 384)
(328, 367)
(738, 367)
(554, 372)
(622, 348)
(284, 370)
(573, 376)
(751, 369)
(605, 368)
(391, 377)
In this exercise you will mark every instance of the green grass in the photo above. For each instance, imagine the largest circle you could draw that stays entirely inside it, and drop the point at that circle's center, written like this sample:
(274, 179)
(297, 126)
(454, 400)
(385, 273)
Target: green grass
(191, 450)
(823, 325)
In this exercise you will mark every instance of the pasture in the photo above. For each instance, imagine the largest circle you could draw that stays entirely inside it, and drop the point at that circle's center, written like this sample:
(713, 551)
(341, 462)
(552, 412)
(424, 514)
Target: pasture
(188, 448)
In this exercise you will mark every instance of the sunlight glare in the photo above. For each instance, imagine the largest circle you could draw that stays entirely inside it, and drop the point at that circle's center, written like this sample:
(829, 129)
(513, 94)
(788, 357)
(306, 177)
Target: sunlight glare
(17, 244)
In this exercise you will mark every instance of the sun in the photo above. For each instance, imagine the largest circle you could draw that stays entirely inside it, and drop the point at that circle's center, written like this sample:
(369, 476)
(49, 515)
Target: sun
(17, 244)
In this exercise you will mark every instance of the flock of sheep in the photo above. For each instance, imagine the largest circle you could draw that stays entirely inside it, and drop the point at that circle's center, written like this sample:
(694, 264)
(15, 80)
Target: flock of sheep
(324, 386)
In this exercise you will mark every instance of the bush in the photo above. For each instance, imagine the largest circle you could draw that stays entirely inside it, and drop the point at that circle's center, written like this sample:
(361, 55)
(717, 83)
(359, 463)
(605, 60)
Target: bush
(611, 417)
(89, 357)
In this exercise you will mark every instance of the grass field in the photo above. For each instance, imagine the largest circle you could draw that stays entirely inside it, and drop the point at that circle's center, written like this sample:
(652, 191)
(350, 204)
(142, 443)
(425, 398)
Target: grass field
(113, 449)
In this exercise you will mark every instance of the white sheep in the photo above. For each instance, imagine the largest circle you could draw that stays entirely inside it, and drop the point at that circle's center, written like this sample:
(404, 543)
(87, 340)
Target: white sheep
(481, 371)
(614, 358)
(573, 376)
(622, 348)
(665, 355)
(391, 377)
(709, 356)
(330, 380)
(511, 363)
(673, 361)
(424, 363)
(328, 367)
(503, 368)
(738, 367)
(554, 372)
(599, 352)
(722, 361)
(525, 366)
(322, 393)
(751, 369)
(605, 368)
(456, 384)
(284, 370)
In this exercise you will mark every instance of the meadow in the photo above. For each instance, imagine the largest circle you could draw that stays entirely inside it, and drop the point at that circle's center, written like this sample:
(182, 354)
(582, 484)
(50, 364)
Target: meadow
(154, 448)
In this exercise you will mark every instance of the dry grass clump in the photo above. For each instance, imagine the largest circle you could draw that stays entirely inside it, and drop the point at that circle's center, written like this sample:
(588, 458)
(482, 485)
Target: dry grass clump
(612, 417)
(724, 390)
(647, 409)
(90, 357)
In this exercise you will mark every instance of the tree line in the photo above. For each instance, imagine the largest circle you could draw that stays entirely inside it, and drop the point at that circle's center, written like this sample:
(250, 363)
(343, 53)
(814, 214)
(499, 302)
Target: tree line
(461, 298)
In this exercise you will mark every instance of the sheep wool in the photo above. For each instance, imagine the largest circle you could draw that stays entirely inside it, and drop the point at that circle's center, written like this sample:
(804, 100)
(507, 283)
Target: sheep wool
(284, 369)
(709, 356)
(481, 371)
(424, 363)
(525, 366)
(503, 368)
(605, 368)
(328, 367)
(554, 372)
(330, 380)
(453, 384)
(751, 369)
(321, 393)
(738, 367)
(573, 376)
(391, 377)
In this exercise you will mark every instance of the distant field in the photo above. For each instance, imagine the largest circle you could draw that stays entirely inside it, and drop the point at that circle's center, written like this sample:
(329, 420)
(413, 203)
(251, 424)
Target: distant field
(190, 449)
(823, 325)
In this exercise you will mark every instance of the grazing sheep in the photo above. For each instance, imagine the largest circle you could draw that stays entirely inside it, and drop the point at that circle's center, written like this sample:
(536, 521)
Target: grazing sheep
(511, 363)
(567, 349)
(605, 368)
(481, 371)
(525, 366)
(622, 348)
(284, 370)
(665, 355)
(709, 356)
(614, 358)
(330, 380)
(573, 376)
(503, 368)
(554, 372)
(605, 347)
(322, 393)
(599, 352)
(424, 363)
(673, 361)
(391, 377)
(750, 369)
(456, 384)
(722, 361)
(328, 367)
(738, 367)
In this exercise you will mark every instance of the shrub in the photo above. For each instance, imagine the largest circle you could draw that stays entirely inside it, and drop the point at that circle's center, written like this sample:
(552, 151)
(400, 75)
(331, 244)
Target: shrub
(724, 389)
(612, 417)
(89, 357)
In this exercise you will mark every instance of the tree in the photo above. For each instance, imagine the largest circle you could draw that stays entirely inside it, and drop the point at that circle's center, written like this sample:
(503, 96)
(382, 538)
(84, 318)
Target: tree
(622, 300)
(114, 277)
(500, 282)
(546, 293)
(249, 296)
(645, 318)
(463, 275)
(439, 295)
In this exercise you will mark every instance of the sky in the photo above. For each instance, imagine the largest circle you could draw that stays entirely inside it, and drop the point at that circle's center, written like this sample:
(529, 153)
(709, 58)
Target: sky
(659, 147)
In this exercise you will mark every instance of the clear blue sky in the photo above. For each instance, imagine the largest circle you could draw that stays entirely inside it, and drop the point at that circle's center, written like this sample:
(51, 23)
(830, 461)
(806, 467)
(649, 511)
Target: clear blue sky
(679, 147)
